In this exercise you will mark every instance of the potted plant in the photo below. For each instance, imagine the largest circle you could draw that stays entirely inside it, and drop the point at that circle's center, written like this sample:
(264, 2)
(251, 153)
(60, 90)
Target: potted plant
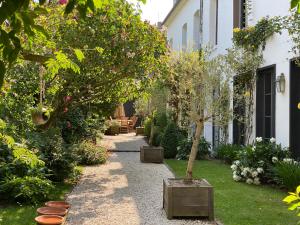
(207, 87)
(40, 115)
(152, 154)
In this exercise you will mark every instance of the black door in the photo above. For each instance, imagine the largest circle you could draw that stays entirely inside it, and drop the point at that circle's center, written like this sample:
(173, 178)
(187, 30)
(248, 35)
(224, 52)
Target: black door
(294, 110)
(265, 103)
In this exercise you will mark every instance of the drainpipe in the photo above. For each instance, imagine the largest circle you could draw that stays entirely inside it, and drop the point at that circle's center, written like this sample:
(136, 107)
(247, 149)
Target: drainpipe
(201, 24)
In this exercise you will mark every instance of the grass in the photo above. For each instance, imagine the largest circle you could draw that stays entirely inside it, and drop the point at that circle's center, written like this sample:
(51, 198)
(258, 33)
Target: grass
(25, 214)
(239, 203)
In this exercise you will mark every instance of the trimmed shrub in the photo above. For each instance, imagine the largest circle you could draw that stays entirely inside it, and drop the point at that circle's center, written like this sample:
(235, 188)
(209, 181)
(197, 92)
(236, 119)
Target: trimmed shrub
(157, 137)
(287, 173)
(147, 127)
(90, 154)
(161, 121)
(170, 140)
(228, 152)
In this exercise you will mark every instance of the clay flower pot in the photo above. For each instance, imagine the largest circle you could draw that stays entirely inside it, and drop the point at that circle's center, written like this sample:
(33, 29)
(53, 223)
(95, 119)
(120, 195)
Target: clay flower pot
(52, 211)
(49, 220)
(59, 204)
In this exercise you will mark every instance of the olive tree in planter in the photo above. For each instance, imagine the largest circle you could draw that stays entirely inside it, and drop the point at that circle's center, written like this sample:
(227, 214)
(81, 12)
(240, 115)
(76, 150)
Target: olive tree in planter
(207, 85)
(152, 103)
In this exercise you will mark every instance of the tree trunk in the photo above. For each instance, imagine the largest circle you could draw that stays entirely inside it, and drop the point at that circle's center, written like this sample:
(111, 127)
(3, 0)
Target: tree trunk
(194, 150)
(152, 132)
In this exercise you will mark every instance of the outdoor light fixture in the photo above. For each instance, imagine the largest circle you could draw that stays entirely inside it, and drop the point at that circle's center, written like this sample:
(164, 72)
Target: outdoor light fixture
(280, 83)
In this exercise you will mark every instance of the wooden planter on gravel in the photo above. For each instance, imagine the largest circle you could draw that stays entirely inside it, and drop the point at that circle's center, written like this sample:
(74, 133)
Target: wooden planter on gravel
(193, 199)
(151, 154)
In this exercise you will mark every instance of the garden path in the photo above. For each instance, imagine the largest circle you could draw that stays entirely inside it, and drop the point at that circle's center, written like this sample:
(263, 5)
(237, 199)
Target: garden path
(122, 192)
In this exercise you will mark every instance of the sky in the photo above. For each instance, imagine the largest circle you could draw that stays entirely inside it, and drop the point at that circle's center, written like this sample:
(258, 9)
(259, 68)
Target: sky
(156, 10)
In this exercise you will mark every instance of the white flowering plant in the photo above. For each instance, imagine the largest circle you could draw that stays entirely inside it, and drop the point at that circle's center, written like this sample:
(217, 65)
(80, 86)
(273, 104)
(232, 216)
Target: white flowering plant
(256, 162)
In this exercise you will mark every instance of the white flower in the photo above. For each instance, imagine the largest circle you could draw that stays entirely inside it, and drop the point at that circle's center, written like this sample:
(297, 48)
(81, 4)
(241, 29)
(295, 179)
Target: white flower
(254, 174)
(249, 181)
(236, 178)
(259, 139)
(237, 162)
(274, 159)
(256, 181)
(233, 167)
(254, 148)
(272, 140)
(130, 54)
(288, 160)
(260, 170)
(261, 162)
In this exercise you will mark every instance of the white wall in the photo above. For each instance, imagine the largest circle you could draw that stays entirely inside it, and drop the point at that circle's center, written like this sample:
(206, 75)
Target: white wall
(277, 52)
(277, 49)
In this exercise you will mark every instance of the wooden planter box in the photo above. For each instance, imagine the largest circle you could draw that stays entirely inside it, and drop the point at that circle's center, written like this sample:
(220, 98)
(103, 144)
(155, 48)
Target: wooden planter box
(139, 130)
(188, 200)
(151, 154)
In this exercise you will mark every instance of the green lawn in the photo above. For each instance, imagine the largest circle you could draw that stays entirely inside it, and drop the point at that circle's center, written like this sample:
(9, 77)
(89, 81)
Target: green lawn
(239, 203)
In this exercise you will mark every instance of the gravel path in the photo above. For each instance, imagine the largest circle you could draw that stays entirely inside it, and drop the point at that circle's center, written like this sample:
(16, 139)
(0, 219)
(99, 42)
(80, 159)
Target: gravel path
(123, 142)
(121, 192)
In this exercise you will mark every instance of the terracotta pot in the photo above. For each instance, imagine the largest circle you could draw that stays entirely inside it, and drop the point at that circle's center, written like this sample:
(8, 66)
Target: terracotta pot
(52, 211)
(49, 220)
(59, 204)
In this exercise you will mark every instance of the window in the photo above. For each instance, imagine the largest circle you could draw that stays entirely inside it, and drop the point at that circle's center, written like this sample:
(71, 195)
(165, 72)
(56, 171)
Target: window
(184, 37)
(197, 30)
(214, 5)
(239, 14)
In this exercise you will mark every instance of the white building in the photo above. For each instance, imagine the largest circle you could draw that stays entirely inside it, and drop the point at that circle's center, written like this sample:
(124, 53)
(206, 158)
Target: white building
(195, 23)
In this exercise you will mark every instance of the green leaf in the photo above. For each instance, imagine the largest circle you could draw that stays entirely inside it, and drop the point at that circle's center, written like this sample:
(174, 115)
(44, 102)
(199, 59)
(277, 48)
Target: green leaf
(298, 190)
(2, 72)
(79, 54)
(97, 4)
(294, 3)
(289, 199)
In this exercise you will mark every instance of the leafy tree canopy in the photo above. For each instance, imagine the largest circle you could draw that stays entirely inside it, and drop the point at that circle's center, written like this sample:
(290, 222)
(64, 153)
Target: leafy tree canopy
(18, 18)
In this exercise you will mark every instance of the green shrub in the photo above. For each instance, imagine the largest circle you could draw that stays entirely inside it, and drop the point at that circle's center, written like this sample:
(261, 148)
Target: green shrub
(26, 189)
(203, 149)
(287, 173)
(184, 149)
(228, 152)
(161, 121)
(185, 146)
(90, 154)
(74, 127)
(170, 140)
(147, 127)
(157, 137)
(59, 159)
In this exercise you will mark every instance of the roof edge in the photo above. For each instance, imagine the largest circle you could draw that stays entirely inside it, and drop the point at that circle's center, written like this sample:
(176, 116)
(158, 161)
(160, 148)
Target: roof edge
(171, 12)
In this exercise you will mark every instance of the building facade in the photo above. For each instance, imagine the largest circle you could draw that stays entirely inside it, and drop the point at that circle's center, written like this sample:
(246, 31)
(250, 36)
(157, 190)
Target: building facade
(195, 23)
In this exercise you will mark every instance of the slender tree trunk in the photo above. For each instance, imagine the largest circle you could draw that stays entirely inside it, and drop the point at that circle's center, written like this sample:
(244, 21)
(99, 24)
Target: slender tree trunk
(152, 132)
(194, 150)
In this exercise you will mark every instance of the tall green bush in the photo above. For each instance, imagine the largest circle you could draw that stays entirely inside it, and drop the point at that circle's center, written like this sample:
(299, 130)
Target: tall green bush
(170, 140)
(147, 127)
